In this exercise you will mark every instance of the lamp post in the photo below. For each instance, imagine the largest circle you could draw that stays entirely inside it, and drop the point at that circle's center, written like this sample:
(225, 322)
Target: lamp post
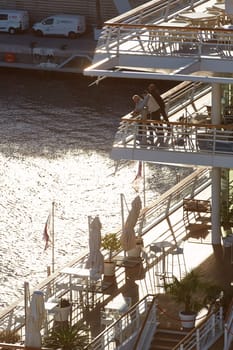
(98, 26)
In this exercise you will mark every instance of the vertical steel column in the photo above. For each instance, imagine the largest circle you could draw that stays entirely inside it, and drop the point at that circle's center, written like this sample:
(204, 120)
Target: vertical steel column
(216, 172)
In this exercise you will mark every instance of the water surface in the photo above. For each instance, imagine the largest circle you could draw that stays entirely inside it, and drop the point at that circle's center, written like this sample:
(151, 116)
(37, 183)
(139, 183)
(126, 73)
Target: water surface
(56, 135)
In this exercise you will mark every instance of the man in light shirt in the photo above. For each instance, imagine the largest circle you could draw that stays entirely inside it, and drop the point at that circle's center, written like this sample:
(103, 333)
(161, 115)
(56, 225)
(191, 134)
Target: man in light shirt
(140, 109)
(154, 113)
(149, 109)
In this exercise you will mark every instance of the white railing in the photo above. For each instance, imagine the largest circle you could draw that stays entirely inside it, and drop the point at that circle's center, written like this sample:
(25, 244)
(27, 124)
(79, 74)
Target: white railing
(173, 199)
(178, 136)
(205, 335)
(129, 331)
(184, 95)
(156, 10)
(148, 328)
(228, 329)
(135, 39)
(122, 333)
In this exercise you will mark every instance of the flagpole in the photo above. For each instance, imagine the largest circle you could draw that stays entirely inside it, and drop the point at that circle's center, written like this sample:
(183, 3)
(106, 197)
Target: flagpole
(144, 183)
(122, 212)
(122, 216)
(53, 240)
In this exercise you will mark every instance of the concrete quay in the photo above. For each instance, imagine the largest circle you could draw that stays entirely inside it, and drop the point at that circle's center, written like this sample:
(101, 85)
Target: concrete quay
(50, 54)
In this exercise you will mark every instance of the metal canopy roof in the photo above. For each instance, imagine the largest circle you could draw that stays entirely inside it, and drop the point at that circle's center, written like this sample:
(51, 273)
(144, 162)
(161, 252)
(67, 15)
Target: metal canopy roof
(154, 43)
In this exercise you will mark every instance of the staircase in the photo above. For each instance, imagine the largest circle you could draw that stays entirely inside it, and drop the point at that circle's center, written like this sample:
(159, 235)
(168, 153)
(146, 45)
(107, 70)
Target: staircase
(166, 339)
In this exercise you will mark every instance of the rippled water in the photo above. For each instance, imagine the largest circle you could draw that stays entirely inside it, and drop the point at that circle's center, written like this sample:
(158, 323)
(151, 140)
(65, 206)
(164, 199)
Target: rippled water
(55, 138)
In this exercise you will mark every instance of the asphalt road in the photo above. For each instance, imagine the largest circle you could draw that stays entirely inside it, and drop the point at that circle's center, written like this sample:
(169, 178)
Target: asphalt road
(85, 42)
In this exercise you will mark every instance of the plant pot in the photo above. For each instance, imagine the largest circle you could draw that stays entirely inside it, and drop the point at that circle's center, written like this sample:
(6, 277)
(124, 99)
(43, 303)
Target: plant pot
(109, 268)
(187, 320)
(136, 252)
(62, 313)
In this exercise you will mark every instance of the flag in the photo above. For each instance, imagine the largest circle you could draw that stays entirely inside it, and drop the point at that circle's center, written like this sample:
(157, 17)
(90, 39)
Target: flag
(138, 177)
(47, 232)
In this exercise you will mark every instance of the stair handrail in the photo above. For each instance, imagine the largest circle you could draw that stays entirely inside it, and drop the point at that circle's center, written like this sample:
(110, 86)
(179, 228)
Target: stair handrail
(209, 330)
(132, 316)
(228, 327)
(143, 333)
(159, 10)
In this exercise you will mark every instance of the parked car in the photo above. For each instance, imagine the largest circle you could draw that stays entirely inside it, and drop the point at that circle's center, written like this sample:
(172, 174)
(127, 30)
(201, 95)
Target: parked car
(62, 25)
(12, 21)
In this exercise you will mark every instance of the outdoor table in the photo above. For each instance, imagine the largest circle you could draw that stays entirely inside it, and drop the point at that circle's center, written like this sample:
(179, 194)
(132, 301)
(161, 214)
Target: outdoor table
(175, 23)
(117, 305)
(198, 18)
(219, 7)
(82, 273)
(157, 247)
(50, 306)
(127, 261)
(200, 119)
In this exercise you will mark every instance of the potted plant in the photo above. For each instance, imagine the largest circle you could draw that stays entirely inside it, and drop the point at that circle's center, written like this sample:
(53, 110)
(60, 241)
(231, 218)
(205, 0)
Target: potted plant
(194, 293)
(111, 243)
(62, 311)
(67, 338)
(9, 336)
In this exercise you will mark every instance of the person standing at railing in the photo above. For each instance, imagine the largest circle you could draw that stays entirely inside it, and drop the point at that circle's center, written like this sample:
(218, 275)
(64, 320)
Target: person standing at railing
(149, 109)
(140, 109)
(152, 89)
(154, 113)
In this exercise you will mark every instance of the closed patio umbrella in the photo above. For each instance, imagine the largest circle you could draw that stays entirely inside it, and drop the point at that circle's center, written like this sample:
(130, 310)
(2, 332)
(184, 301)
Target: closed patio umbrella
(35, 319)
(95, 259)
(128, 239)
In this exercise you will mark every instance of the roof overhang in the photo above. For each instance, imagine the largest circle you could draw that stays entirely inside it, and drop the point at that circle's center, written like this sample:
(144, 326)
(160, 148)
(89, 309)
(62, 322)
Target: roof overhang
(184, 69)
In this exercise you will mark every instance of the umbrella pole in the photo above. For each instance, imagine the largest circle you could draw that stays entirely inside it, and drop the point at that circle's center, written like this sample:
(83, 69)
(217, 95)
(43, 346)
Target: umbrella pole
(53, 239)
(26, 306)
(122, 215)
(144, 184)
(26, 299)
(122, 212)
(89, 225)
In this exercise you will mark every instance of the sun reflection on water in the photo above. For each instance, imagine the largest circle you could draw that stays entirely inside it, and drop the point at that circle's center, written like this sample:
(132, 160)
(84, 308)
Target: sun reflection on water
(53, 148)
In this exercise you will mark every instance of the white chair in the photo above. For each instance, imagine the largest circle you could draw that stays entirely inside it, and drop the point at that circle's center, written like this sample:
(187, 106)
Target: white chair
(128, 301)
(62, 286)
(106, 318)
(178, 254)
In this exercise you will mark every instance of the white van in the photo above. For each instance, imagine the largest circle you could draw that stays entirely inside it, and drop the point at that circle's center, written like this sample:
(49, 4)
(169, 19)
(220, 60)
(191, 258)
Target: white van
(64, 25)
(12, 21)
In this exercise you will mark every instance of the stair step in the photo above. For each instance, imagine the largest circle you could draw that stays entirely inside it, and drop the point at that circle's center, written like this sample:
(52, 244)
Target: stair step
(172, 331)
(166, 339)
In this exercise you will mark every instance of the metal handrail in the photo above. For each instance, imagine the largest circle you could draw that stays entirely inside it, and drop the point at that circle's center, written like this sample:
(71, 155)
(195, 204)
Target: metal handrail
(183, 95)
(132, 320)
(228, 327)
(155, 10)
(144, 332)
(205, 334)
(195, 138)
(159, 40)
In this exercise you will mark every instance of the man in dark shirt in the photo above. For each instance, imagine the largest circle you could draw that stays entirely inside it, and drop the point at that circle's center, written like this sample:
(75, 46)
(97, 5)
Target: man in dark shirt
(155, 93)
